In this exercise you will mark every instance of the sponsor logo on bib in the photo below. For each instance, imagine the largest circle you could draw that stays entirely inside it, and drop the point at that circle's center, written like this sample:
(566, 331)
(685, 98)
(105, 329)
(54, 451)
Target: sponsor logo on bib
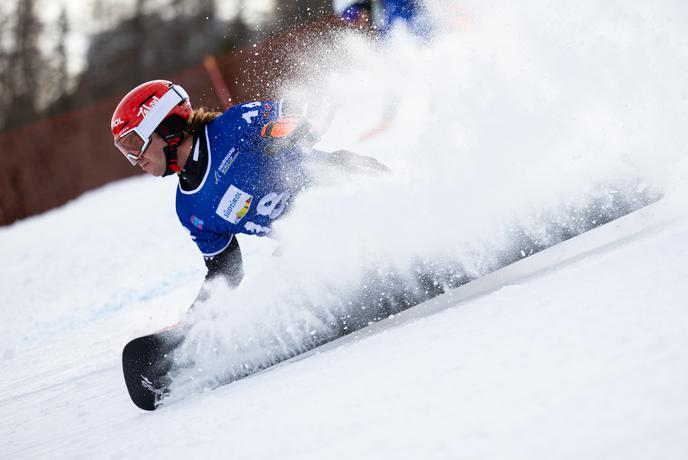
(198, 223)
(228, 160)
(234, 205)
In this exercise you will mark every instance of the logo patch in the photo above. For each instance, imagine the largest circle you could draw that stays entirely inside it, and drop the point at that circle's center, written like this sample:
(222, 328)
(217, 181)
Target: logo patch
(228, 160)
(145, 108)
(116, 123)
(198, 223)
(234, 205)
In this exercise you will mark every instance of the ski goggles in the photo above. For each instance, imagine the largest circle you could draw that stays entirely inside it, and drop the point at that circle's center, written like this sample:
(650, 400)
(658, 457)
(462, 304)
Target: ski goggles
(134, 142)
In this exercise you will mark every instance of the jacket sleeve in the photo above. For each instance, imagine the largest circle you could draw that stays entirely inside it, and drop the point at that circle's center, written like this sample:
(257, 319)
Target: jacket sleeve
(227, 264)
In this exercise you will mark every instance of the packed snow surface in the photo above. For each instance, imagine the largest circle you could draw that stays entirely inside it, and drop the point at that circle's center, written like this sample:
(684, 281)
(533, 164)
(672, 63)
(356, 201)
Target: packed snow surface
(517, 122)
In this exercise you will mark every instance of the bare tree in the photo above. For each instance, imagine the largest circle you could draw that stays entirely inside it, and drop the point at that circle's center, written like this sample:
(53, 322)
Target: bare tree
(4, 69)
(105, 14)
(25, 65)
(56, 79)
(61, 73)
(140, 35)
(238, 33)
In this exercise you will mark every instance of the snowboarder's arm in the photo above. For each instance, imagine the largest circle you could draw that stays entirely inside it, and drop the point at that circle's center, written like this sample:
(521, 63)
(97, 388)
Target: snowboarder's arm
(227, 265)
(296, 123)
(220, 249)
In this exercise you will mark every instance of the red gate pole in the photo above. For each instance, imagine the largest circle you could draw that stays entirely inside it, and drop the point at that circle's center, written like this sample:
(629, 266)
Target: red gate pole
(217, 81)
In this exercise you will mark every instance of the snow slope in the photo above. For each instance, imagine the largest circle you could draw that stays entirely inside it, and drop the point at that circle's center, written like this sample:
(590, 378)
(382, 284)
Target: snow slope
(533, 116)
(585, 360)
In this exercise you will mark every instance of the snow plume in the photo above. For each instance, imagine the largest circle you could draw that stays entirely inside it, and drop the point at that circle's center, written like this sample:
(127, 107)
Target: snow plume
(518, 125)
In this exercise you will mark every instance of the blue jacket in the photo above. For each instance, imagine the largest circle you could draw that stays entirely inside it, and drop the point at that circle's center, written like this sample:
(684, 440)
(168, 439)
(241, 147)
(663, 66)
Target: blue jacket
(244, 188)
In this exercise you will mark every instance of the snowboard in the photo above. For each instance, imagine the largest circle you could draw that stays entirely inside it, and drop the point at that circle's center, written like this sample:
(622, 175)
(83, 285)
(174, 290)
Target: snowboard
(146, 362)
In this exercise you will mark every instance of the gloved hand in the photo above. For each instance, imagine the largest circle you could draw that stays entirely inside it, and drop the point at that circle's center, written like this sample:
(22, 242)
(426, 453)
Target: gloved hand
(288, 132)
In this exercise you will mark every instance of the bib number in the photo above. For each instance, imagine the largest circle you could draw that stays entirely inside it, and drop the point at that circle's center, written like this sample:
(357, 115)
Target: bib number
(271, 206)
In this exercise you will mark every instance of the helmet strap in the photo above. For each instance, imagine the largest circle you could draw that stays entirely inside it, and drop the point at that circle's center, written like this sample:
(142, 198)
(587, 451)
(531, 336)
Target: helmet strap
(172, 131)
(171, 160)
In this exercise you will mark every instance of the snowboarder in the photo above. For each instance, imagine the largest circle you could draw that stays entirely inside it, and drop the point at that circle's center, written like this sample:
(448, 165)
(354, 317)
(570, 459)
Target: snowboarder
(238, 171)
(383, 15)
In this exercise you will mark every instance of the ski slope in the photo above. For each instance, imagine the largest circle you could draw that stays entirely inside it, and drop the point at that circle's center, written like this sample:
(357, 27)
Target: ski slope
(536, 120)
(585, 359)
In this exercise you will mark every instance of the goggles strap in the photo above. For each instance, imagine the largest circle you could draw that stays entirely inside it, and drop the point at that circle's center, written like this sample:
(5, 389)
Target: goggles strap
(159, 111)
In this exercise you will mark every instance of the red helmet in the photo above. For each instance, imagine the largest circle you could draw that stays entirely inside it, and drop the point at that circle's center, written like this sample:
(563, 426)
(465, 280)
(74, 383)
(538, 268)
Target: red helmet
(142, 110)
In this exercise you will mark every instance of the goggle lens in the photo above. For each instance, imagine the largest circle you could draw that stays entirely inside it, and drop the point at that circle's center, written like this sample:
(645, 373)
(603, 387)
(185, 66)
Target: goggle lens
(132, 146)
(133, 143)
